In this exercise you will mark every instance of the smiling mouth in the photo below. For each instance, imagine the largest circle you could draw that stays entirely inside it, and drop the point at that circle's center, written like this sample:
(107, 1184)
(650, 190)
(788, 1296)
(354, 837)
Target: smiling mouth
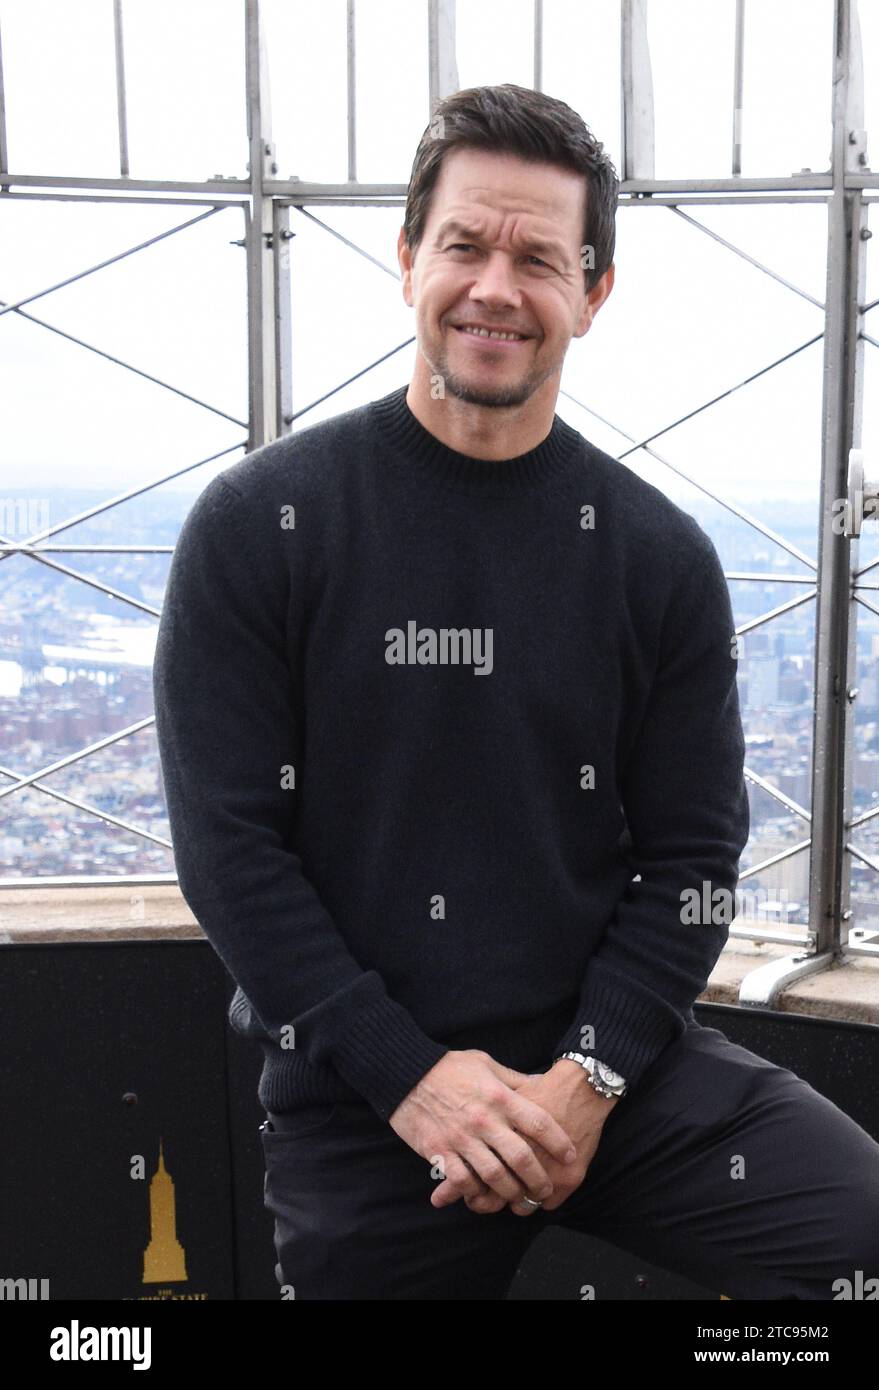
(494, 335)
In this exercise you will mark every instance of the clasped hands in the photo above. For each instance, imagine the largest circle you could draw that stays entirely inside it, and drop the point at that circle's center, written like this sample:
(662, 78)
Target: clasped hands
(499, 1135)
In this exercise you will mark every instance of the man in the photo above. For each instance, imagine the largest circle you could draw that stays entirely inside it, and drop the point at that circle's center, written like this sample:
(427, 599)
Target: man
(447, 711)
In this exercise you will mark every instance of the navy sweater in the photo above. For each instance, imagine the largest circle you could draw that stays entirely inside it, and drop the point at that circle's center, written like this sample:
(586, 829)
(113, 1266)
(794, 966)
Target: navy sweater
(446, 743)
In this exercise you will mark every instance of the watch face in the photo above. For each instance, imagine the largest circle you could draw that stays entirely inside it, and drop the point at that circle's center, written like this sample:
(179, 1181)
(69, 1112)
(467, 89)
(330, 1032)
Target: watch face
(612, 1078)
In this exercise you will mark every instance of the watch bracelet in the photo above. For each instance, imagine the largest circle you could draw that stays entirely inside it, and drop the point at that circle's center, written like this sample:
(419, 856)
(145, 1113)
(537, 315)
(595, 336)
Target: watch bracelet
(596, 1085)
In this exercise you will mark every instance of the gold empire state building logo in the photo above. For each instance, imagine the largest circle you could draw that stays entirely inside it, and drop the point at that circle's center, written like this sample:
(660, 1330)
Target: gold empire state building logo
(164, 1260)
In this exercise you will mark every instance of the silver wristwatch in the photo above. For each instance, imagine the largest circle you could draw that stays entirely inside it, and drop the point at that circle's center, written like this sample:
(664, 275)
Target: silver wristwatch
(605, 1081)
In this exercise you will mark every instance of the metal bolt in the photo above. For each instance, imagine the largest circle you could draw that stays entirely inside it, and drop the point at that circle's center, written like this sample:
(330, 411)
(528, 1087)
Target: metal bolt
(865, 234)
(852, 692)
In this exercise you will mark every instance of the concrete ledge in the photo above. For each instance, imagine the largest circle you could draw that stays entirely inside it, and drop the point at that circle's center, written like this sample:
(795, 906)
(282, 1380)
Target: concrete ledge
(847, 990)
(95, 914)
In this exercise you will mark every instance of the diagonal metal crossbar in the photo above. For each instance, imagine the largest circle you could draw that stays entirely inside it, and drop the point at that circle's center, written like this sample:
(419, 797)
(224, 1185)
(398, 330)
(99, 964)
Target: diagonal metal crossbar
(97, 811)
(126, 496)
(32, 548)
(111, 260)
(348, 380)
(101, 585)
(129, 366)
(722, 395)
(29, 546)
(862, 855)
(738, 251)
(778, 795)
(21, 782)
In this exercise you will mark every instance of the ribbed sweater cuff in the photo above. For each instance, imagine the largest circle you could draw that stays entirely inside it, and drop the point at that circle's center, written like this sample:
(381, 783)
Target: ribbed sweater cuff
(631, 1027)
(385, 1055)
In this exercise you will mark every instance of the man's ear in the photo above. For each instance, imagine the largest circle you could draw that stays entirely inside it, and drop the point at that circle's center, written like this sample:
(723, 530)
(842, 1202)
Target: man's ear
(594, 300)
(405, 258)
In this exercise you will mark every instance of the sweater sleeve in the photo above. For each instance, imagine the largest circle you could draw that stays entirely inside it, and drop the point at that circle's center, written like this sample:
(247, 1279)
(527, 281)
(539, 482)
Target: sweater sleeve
(225, 688)
(686, 805)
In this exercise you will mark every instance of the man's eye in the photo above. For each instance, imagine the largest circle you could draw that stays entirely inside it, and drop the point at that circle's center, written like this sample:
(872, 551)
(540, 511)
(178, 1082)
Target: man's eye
(468, 246)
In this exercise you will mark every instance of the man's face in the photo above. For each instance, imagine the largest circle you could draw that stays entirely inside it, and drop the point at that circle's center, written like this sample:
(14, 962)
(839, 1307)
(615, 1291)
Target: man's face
(501, 250)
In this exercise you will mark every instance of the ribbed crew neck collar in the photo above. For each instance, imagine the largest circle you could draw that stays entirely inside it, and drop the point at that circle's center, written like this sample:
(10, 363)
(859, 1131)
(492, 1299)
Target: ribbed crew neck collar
(553, 459)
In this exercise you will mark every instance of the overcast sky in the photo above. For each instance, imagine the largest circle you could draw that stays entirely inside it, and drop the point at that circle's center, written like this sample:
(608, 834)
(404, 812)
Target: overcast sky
(687, 318)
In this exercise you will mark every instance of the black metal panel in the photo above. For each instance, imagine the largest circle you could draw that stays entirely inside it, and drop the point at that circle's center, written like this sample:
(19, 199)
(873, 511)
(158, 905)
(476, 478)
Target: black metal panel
(560, 1263)
(109, 1048)
(836, 1058)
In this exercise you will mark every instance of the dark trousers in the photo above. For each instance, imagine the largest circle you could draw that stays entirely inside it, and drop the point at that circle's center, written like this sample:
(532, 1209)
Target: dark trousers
(720, 1166)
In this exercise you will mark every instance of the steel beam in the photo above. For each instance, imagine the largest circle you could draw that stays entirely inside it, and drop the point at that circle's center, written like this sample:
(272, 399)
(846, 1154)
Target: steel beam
(263, 391)
(281, 239)
(738, 87)
(636, 94)
(351, 51)
(4, 152)
(298, 189)
(835, 630)
(441, 58)
(835, 647)
(121, 111)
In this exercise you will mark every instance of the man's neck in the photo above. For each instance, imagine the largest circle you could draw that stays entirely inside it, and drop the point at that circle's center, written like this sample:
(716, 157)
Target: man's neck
(483, 432)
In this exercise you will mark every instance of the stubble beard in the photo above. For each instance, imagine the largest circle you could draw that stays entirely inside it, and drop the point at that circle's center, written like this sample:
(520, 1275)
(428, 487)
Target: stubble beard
(513, 394)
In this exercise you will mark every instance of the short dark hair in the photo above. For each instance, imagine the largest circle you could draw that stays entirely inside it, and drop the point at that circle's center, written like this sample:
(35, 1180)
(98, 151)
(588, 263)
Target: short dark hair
(517, 120)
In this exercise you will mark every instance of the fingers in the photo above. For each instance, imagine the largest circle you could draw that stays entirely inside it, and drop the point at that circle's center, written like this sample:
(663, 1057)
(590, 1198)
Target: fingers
(525, 1173)
(494, 1147)
(508, 1075)
(537, 1124)
(474, 1171)
(459, 1180)
(503, 1160)
(505, 1163)
(489, 1202)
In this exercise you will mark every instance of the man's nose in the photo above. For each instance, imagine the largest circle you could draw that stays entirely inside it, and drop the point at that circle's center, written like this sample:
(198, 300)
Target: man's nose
(496, 284)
